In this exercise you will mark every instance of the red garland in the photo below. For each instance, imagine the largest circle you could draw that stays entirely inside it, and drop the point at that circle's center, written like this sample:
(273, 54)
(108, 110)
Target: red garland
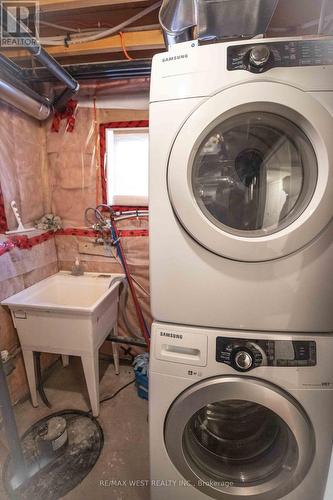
(24, 243)
(6, 246)
(67, 114)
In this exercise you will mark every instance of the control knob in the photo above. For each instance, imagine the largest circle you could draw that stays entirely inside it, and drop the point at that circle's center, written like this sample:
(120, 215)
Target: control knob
(259, 56)
(245, 358)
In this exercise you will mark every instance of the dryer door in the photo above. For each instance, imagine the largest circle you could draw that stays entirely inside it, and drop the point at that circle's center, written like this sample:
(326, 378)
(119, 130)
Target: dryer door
(250, 173)
(239, 437)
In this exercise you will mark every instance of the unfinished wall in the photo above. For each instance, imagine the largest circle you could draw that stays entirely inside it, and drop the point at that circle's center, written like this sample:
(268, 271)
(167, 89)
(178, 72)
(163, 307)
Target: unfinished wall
(23, 178)
(23, 174)
(45, 171)
(75, 184)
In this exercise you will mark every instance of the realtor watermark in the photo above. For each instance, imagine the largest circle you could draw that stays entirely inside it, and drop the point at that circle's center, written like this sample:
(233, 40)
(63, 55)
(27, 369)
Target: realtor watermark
(162, 483)
(19, 23)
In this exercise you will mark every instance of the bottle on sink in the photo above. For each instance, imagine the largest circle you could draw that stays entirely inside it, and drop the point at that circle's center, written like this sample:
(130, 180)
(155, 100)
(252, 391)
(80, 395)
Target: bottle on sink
(77, 268)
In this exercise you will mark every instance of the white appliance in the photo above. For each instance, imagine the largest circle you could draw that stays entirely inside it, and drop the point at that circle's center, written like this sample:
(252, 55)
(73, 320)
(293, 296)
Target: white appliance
(241, 185)
(239, 415)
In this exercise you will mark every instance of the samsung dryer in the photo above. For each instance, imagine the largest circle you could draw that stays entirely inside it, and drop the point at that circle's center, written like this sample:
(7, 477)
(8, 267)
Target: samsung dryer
(241, 185)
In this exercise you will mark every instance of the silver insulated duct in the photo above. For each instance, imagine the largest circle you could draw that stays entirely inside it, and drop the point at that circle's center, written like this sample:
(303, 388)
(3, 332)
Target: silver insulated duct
(184, 20)
(17, 98)
(14, 91)
(177, 18)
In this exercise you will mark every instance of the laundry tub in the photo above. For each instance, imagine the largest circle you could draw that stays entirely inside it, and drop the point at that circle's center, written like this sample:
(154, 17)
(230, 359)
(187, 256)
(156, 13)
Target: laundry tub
(67, 315)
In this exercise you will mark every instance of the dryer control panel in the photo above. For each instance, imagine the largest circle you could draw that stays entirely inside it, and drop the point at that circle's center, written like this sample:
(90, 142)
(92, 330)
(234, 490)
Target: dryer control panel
(260, 57)
(246, 354)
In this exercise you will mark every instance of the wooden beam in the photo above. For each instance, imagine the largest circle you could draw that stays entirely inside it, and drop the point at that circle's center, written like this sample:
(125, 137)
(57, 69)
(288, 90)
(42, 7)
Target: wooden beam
(133, 40)
(64, 5)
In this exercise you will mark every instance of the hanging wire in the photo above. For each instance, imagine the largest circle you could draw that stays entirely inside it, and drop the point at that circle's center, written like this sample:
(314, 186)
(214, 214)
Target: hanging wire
(128, 57)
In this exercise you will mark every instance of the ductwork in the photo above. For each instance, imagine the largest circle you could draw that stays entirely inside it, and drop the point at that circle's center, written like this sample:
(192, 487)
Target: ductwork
(210, 20)
(178, 18)
(13, 91)
(22, 101)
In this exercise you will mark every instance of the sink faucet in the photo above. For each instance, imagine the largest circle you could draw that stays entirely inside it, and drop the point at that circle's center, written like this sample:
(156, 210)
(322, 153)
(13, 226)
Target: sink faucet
(77, 269)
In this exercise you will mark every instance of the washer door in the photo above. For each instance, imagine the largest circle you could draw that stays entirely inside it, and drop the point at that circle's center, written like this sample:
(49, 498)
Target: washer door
(249, 174)
(239, 437)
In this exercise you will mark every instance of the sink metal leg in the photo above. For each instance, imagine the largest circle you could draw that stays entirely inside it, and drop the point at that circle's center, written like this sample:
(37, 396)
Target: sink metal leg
(115, 350)
(65, 359)
(91, 373)
(29, 362)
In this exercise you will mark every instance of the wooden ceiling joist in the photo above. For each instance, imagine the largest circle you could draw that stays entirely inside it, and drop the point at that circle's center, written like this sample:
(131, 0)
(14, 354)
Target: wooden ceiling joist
(65, 5)
(133, 40)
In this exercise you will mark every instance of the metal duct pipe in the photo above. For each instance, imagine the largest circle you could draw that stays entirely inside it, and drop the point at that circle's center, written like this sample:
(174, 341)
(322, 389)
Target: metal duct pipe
(20, 100)
(214, 19)
(177, 18)
(46, 60)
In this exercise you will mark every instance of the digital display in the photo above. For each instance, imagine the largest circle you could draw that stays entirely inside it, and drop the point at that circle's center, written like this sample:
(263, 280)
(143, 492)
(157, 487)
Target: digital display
(282, 353)
(283, 54)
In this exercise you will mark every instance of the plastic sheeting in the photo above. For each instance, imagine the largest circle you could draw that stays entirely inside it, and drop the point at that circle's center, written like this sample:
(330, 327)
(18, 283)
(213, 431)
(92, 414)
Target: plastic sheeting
(73, 162)
(22, 174)
(137, 255)
(44, 171)
(75, 184)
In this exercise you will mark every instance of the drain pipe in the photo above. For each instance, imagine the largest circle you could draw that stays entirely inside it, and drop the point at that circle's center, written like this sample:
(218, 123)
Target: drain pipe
(58, 72)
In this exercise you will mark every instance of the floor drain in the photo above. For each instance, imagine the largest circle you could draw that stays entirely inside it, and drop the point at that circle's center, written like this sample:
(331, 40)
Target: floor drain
(55, 477)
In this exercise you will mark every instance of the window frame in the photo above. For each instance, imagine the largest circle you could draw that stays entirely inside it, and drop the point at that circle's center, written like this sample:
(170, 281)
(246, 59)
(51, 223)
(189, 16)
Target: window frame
(102, 133)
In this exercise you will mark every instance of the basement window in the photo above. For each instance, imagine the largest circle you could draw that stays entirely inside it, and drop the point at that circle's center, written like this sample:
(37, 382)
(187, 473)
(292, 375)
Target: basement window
(127, 166)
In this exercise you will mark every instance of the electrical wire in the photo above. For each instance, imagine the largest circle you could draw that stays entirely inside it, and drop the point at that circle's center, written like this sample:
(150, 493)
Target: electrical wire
(108, 398)
(123, 46)
(59, 40)
(60, 27)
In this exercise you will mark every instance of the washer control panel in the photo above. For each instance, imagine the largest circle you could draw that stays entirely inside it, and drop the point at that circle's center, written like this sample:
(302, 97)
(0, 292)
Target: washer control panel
(246, 354)
(260, 57)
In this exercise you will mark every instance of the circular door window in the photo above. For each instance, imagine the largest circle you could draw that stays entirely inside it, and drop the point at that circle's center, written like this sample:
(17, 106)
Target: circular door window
(239, 437)
(250, 174)
(254, 174)
(239, 443)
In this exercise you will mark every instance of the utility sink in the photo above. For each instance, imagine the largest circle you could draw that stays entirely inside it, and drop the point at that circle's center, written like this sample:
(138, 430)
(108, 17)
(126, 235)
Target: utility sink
(66, 293)
(68, 315)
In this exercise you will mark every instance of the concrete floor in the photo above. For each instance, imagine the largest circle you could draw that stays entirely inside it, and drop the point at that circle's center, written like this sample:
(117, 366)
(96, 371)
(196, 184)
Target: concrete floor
(124, 421)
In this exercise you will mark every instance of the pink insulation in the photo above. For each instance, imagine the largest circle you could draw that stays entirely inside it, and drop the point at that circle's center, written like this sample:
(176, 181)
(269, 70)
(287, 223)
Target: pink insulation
(21, 165)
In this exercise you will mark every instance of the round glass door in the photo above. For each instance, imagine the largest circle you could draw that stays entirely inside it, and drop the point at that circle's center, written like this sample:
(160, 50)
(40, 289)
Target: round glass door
(239, 443)
(254, 174)
(250, 173)
(239, 436)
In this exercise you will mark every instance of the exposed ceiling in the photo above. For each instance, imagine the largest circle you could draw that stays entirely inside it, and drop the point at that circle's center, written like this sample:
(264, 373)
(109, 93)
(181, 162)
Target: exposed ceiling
(141, 39)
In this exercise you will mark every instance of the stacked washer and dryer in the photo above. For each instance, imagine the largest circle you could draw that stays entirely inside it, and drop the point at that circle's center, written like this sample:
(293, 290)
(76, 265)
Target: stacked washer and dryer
(241, 256)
